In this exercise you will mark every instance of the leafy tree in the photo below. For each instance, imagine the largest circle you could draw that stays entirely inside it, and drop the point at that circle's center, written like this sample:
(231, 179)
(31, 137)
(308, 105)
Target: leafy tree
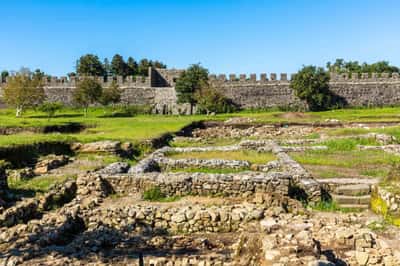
(90, 65)
(23, 91)
(87, 92)
(118, 66)
(158, 64)
(111, 94)
(71, 74)
(341, 66)
(39, 74)
(143, 68)
(209, 100)
(190, 82)
(4, 75)
(107, 67)
(132, 67)
(311, 84)
(50, 108)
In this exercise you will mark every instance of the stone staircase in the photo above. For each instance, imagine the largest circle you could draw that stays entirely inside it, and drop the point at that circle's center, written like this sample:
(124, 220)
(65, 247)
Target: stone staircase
(350, 192)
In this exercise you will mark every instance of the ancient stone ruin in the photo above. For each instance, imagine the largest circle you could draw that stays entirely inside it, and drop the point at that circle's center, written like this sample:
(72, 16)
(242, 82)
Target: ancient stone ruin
(171, 208)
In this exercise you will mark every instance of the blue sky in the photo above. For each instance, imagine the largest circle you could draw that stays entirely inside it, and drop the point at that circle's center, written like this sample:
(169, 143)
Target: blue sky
(226, 36)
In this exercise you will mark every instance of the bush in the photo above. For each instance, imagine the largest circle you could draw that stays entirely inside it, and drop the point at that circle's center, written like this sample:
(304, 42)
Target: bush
(50, 108)
(209, 100)
(153, 194)
(312, 85)
(131, 111)
(88, 91)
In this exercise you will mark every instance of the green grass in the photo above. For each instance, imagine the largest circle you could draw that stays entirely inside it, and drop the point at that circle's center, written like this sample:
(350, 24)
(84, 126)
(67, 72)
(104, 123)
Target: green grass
(313, 136)
(105, 159)
(390, 130)
(155, 194)
(133, 129)
(252, 157)
(378, 226)
(385, 114)
(208, 170)
(136, 129)
(204, 142)
(348, 144)
(332, 206)
(350, 163)
(39, 184)
(353, 158)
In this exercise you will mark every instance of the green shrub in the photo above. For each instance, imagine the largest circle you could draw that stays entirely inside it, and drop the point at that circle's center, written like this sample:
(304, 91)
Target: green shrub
(155, 194)
(50, 108)
(131, 111)
(311, 84)
(209, 100)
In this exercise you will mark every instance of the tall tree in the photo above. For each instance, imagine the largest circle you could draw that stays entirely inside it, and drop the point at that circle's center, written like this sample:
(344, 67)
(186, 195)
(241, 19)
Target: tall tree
(158, 64)
(90, 65)
(111, 95)
(312, 85)
(4, 75)
(143, 68)
(107, 67)
(190, 82)
(87, 92)
(342, 66)
(23, 91)
(132, 66)
(118, 66)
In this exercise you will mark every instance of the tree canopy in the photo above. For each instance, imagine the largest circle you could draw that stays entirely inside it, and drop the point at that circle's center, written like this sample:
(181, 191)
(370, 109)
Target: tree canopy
(118, 66)
(88, 91)
(24, 91)
(311, 84)
(90, 65)
(111, 94)
(190, 82)
(342, 66)
(4, 75)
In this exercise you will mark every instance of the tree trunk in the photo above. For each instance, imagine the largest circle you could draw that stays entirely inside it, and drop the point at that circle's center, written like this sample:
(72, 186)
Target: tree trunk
(18, 112)
(191, 109)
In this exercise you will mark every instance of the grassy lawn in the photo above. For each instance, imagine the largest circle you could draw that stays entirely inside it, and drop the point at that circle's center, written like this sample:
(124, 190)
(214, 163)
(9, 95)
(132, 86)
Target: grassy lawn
(252, 157)
(204, 142)
(39, 184)
(347, 163)
(132, 129)
(148, 126)
(386, 114)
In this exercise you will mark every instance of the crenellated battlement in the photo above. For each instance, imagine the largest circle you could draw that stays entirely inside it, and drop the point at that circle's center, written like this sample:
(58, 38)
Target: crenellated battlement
(250, 79)
(65, 82)
(167, 78)
(248, 91)
(364, 77)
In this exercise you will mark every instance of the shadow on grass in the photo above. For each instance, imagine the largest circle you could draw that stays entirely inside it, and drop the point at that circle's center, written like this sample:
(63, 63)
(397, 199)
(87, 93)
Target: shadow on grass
(56, 116)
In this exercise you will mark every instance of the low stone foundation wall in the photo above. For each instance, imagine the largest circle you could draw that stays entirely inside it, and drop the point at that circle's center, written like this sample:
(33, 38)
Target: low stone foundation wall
(238, 184)
(209, 163)
(29, 209)
(188, 219)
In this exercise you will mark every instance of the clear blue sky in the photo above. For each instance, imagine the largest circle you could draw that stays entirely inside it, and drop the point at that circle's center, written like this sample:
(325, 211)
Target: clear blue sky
(226, 36)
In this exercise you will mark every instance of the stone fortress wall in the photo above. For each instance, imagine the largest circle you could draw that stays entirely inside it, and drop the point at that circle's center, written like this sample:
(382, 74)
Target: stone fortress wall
(247, 91)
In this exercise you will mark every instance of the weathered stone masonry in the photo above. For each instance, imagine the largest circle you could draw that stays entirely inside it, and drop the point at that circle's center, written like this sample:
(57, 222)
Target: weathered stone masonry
(247, 91)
